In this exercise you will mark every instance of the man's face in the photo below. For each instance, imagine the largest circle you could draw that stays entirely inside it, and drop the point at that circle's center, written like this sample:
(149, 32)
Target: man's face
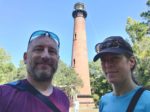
(117, 68)
(42, 59)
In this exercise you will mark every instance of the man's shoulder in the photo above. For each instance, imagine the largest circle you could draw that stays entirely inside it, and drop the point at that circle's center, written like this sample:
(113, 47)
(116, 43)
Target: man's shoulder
(6, 85)
(3, 87)
(58, 90)
(10, 85)
(59, 93)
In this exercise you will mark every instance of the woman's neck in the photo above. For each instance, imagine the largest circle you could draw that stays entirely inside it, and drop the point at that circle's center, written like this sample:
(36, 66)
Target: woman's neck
(121, 89)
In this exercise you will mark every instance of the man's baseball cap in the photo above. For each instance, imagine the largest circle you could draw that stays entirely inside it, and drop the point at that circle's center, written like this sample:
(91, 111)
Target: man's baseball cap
(112, 44)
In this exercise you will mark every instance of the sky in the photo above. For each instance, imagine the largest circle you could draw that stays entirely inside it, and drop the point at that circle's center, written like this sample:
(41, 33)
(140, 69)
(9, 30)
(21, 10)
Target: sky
(19, 18)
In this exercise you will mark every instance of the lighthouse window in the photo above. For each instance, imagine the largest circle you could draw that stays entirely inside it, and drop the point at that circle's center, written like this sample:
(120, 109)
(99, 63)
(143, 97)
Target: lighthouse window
(74, 62)
(75, 36)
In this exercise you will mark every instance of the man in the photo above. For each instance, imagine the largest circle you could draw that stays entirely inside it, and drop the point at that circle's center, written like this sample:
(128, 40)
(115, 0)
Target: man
(41, 61)
(118, 63)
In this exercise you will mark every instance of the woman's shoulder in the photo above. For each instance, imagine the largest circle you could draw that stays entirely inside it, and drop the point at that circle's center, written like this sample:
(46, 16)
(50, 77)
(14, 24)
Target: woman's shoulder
(146, 93)
(106, 96)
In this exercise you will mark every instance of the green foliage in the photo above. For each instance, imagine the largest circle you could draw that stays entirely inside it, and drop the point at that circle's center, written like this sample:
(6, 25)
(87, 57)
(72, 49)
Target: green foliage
(142, 71)
(139, 34)
(136, 30)
(99, 84)
(146, 15)
(148, 3)
(21, 71)
(7, 69)
(142, 48)
(67, 79)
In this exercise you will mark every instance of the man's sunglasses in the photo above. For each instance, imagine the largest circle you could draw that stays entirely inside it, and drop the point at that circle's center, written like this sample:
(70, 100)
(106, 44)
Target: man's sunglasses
(44, 33)
(115, 43)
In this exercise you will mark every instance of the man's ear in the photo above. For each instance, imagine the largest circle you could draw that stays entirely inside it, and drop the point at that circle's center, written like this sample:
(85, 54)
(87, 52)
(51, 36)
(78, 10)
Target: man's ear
(25, 58)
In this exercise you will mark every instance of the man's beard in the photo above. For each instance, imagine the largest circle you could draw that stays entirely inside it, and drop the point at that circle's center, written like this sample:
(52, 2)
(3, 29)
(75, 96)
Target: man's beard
(42, 75)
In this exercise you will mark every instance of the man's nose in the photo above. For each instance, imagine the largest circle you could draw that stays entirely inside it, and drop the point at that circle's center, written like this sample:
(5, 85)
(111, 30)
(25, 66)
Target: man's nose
(45, 54)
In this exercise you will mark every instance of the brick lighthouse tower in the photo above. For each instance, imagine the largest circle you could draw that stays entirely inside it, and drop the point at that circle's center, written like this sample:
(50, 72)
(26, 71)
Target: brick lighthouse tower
(80, 54)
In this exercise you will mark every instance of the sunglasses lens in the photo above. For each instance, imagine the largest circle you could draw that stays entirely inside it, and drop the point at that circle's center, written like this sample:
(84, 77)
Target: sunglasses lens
(109, 44)
(44, 33)
(98, 47)
(55, 37)
(37, 33)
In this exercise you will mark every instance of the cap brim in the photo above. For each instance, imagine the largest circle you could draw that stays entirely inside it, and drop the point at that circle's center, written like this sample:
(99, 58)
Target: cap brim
(110, 50)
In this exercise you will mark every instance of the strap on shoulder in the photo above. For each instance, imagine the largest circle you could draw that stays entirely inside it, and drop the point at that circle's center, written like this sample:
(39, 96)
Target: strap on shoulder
(28, 87)
(135, 99)
(17, 84)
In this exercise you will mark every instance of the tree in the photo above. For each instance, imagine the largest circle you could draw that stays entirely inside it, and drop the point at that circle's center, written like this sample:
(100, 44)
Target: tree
(67, 79)
(146, 15)
(21, 71)
(7, 69)
(139, 34)
(136, 30)
(99, 84)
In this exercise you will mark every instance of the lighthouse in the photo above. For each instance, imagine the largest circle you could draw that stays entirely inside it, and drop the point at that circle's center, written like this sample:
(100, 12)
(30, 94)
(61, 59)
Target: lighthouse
(79, 60)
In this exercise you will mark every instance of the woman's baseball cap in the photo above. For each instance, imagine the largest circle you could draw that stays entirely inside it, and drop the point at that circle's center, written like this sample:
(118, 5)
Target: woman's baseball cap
(112, 44)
